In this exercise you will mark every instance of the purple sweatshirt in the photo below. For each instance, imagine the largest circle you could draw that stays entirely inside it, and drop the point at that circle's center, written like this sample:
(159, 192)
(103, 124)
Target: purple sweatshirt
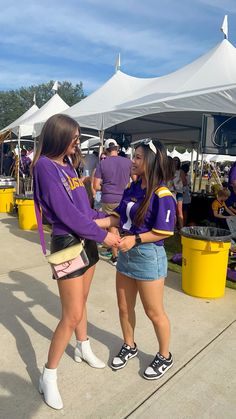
(66, 217)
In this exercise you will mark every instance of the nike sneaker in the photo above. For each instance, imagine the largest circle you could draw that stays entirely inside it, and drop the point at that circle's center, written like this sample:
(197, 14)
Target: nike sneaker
(158, 367)
(123, 356)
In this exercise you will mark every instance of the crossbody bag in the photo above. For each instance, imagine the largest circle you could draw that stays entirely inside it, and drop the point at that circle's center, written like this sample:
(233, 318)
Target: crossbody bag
(70, 259)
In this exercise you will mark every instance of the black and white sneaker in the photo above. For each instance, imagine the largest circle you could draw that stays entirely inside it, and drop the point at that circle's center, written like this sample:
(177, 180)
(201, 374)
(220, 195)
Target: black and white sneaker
(126, 353)
(158, 367)
(114, 260)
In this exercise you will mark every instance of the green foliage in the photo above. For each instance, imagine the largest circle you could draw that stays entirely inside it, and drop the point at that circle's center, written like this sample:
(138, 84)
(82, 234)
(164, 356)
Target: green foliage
(173, 246)
(179, 148)
(14, 103)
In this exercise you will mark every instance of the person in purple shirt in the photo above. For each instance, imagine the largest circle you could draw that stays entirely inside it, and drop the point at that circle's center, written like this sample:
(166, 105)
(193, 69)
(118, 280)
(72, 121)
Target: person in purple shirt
(232, 177)
(111, 177)
(71, 219)
(147, 215)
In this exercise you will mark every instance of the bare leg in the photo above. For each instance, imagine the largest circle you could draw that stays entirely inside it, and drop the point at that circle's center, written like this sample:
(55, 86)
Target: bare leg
(126, 289)
(151, 294)
(72, 301)
(81, 328)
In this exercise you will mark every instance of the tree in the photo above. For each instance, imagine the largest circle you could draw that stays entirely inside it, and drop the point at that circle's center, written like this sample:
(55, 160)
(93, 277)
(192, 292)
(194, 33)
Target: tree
(14, 103)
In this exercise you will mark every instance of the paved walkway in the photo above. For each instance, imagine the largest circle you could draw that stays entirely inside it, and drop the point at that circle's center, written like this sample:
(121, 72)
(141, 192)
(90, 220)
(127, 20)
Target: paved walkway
(201, 383)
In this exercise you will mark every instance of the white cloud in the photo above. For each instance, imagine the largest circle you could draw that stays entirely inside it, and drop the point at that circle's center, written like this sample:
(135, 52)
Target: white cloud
(79, 40)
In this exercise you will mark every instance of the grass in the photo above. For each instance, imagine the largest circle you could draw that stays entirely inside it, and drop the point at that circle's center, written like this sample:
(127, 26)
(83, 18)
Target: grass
(173, 246)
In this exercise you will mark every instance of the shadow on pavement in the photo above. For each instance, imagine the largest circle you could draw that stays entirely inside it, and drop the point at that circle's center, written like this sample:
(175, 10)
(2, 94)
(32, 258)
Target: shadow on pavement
(17, 391)
(14, 312)
(32, 236)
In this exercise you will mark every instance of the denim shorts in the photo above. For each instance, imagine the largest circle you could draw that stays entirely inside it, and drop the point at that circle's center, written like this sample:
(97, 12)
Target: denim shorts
(145, 262)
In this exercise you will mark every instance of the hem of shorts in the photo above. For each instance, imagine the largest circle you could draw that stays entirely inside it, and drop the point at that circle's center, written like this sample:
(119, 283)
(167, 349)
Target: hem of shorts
(141, 279)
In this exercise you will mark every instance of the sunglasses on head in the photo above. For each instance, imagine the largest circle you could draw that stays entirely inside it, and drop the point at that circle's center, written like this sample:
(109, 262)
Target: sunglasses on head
(150, 145)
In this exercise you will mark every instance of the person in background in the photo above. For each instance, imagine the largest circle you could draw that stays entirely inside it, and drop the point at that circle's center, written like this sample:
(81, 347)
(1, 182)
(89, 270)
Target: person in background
(178, 186)
(111, 177)
(186, 192)
(220, 211)
(24, 171)
(232, 177)
(97, 195)
(8, 163)
(231, 201)
(147, 216)
(64, 202)
(171, 175)
(90, 163)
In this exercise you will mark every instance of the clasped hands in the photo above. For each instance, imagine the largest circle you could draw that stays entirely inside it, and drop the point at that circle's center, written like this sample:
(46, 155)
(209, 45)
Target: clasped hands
(122, 243)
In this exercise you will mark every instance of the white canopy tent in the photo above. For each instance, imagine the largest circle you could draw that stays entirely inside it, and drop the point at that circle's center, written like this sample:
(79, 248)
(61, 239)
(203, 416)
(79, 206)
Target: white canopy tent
(169, 107)
(90, 143)
(219, 158)
(119, 88)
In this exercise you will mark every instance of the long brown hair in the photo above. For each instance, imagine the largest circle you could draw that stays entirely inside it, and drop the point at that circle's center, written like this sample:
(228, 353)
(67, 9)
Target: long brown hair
(55, 138)
(156, 172)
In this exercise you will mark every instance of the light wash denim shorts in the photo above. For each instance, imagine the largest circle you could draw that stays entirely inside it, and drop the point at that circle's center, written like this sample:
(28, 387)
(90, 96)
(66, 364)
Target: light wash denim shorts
(145, 262)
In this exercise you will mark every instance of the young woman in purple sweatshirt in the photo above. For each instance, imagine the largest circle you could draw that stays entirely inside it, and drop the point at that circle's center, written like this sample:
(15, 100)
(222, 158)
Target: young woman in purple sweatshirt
(72, 219)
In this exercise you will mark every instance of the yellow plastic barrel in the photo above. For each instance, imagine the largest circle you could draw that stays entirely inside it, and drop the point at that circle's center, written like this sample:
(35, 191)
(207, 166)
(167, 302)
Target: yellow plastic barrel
(204, 266)
(26, 214)
(6, 199)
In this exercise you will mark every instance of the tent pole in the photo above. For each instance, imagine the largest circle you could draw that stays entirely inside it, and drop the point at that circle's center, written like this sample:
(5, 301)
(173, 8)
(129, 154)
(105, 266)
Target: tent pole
(196, 167)
(201, 173)
(101, 135)
(191, 168)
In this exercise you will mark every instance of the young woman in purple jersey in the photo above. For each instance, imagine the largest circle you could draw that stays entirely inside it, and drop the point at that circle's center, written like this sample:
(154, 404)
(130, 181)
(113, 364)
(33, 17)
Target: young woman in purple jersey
(147, 216)
(72, 218)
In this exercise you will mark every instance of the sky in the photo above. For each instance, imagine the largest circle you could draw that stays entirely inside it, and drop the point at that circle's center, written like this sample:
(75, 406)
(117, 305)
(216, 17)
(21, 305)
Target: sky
(79, 40)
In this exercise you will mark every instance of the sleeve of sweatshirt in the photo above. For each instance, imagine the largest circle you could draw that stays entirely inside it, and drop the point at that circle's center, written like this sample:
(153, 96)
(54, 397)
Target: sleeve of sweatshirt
(52, 193)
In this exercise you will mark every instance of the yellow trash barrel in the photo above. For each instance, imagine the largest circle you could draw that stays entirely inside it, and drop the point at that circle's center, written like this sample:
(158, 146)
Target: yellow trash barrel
(6, 199)
(204, 261)
(26, 214)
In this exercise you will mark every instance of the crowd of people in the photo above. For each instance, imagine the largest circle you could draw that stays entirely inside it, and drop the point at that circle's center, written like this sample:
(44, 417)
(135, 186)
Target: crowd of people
(14, 162)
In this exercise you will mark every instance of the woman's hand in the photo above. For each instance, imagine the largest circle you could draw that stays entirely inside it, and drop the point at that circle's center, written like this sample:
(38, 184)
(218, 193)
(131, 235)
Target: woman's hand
(112, 240)
(126, 243)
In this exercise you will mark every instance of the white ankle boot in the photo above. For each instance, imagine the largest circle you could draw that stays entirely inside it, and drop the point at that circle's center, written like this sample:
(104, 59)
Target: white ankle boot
(84, 352)
(48, 387)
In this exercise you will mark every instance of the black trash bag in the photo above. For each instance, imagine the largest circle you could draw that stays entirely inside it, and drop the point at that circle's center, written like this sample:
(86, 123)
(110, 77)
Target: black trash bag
(211, 234)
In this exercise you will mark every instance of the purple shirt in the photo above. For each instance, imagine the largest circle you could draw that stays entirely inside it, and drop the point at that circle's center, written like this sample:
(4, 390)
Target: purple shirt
(25, 163)
(160, 216)
(232, 174)
(115, 174)
(231, 201)
(65, 216)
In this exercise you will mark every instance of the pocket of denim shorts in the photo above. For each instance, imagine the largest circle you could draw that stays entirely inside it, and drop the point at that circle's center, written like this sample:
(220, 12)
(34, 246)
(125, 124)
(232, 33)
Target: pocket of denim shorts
(145, 251)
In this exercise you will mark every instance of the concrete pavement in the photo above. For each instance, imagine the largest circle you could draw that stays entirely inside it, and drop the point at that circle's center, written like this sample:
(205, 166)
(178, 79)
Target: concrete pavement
(201, 383)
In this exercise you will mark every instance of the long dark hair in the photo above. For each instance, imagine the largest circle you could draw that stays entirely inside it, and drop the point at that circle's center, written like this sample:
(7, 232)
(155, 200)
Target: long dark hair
(55, 138)
(171, 169)
(156, 173)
